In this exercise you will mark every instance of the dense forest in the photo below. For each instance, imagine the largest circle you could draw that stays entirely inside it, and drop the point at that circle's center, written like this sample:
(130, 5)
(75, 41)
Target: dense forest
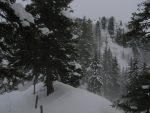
(40, 43)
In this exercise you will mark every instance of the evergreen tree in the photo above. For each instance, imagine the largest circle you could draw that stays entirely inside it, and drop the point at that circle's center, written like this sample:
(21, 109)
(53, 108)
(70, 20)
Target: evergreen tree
(137, 99)
(115, 76)
(46, 47)
(111, 26)
(123, 81)
(120, 36)
(134, 68)
(85, 44)
(98, 37)
(12, 29)
(104, 22)
(139, 26)
(106, 76)
(110, 76)
(95, 80)
(59, 44)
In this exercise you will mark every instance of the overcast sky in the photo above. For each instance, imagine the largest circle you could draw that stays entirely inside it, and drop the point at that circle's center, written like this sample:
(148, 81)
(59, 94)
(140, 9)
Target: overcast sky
(121, 9)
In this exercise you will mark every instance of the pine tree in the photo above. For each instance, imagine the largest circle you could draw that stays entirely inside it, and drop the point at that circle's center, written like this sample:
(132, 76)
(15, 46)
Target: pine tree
(139, 26)
(137, 99)
(106, 76)
(104, 22)
(95, 80)
(110, 76)
(12, 30)
(111, 26)
(59, 44)
(120, 36)
(123, 81)
(98, 37)
(50, 54)
(115, 76)
(85, 44)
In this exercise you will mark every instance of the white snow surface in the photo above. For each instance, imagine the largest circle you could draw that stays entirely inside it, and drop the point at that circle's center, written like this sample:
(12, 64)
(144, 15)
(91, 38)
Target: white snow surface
(25, 17)
(65, 99)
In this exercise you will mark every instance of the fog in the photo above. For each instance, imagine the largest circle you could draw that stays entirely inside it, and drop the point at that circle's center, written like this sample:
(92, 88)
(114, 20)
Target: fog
(121, 9)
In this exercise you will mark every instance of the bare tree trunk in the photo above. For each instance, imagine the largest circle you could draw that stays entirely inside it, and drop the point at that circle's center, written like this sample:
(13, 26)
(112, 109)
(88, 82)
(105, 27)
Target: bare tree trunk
(49, 83)
(34, 83)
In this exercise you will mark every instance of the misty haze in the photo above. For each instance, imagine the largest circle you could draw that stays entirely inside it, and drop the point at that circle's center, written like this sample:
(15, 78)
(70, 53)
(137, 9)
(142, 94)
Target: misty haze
(74, 56)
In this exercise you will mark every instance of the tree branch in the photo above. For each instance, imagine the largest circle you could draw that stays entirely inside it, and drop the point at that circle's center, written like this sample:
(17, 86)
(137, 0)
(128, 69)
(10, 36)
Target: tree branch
(3, 16)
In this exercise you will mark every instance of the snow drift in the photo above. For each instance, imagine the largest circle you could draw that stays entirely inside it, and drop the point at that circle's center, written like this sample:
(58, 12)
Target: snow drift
(65, 99)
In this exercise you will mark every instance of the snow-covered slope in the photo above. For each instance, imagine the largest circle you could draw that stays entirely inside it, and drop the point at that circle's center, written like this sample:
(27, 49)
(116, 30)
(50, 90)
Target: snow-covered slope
(65, 99)
(123, 54)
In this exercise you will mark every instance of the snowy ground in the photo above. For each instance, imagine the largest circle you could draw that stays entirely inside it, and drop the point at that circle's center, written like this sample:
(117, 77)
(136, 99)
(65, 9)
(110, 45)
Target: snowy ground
(65, 99)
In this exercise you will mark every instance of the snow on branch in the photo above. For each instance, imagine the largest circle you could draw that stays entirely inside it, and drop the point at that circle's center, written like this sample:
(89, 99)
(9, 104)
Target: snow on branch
(67, 13)
(45, 31)
(16, 13)
(25, 17)
(76, 64)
